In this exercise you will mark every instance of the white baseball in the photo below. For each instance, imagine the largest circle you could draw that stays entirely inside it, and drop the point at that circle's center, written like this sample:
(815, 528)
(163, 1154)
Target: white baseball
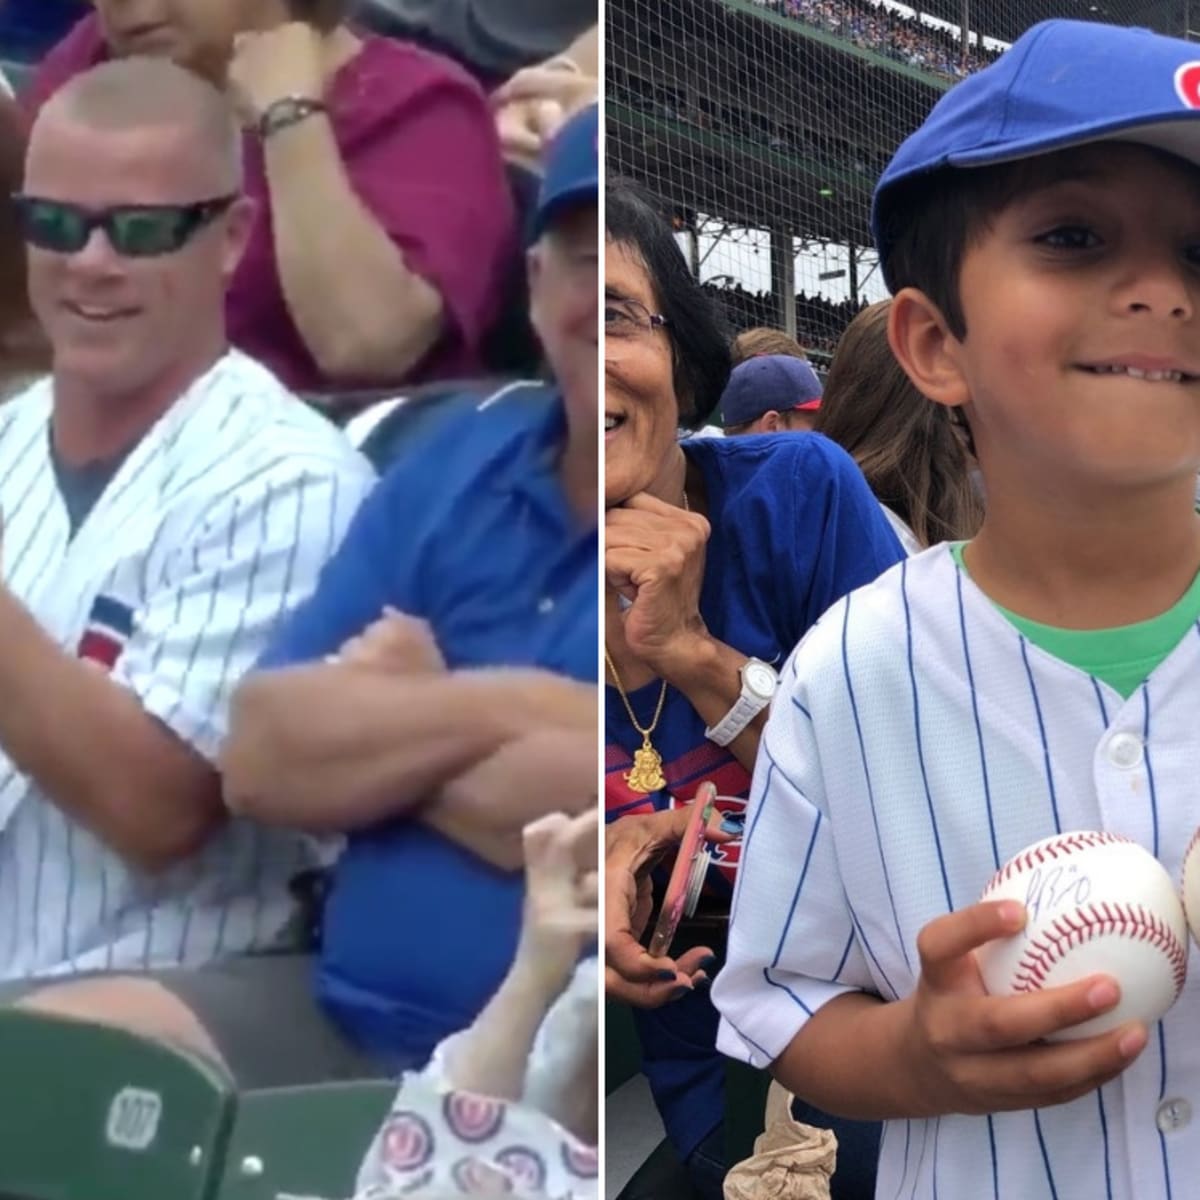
(1096, 904)
(1191, 885)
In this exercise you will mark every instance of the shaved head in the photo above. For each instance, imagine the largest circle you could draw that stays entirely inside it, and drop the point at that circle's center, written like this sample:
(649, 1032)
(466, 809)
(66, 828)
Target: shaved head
(152, 93)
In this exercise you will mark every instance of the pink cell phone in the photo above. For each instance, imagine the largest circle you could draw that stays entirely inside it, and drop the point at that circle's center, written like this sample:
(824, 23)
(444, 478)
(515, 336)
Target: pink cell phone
(687, 876)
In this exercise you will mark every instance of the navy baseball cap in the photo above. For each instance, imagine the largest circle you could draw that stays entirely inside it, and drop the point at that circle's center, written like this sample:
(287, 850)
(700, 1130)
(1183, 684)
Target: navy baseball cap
(571, 168)
(768, 383)
(1062, 84)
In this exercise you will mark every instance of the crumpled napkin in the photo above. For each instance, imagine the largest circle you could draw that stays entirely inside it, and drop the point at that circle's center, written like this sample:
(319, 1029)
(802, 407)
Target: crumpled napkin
(791, 1161)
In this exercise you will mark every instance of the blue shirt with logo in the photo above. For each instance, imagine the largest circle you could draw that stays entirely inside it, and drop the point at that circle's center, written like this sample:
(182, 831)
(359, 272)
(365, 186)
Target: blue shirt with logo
(472, 532)
(794, 528)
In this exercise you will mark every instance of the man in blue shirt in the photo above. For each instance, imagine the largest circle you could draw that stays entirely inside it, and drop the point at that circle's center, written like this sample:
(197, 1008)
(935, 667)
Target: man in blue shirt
(435, 694)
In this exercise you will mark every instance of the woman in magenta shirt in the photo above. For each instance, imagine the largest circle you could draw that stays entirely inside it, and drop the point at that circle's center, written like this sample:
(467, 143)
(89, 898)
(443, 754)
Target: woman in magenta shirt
(385, 230)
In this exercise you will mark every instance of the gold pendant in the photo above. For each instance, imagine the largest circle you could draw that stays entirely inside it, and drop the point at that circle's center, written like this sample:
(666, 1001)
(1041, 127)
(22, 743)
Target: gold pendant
(646, 775)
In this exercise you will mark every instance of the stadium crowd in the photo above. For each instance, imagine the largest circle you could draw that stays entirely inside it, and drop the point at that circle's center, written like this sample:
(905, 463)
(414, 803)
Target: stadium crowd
(272, 680)
(876, 27)
(819, 322)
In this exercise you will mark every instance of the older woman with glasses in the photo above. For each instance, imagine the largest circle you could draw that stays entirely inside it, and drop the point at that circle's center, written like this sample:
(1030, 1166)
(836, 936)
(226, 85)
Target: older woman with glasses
(718, 556)
(376, 256)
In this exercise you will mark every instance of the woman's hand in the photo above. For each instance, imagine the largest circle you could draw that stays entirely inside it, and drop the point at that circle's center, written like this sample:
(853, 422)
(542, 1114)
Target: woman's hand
(532, 105)
(633, 847)
(654, 557)
(269, 65)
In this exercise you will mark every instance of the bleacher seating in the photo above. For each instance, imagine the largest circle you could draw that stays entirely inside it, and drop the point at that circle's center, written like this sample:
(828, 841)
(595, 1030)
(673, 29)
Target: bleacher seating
(92, 1113)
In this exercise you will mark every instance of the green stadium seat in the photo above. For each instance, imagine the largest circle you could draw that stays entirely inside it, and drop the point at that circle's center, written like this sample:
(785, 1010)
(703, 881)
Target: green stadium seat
(92, 1113)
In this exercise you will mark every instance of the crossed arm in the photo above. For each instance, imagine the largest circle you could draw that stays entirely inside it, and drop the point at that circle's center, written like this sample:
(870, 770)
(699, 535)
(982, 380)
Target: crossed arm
(386, 730)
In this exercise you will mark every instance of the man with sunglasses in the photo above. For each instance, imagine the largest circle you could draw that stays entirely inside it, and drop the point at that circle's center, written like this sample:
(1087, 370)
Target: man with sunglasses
(428, 736)
(165, 501)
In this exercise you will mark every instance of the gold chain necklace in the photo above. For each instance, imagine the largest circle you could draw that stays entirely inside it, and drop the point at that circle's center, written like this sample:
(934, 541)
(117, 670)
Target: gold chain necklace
(646, 775)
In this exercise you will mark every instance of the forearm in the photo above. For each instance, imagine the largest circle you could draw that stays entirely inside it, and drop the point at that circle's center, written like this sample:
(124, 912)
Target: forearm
(361, 312)
(332, 747)
(492, 1056)
(96, 753)
(707, 672)
(584, 52)
(851, 1059)
(548, 770)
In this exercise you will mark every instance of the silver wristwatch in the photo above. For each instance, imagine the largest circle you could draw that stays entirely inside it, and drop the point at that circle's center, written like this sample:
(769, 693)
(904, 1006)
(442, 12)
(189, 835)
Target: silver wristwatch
(759, 682)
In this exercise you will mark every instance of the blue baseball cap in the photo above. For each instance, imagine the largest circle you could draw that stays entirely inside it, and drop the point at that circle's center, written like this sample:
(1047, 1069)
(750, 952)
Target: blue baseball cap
(768, 383)
(1062, 84)
(571, 168)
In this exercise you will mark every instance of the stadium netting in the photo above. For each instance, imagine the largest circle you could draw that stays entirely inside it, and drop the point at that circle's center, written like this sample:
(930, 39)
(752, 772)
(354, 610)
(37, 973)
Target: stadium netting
(763, 124)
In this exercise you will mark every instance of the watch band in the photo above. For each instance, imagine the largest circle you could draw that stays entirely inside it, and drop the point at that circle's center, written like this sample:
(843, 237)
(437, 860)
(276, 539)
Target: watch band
(745, 708)
(287, 111)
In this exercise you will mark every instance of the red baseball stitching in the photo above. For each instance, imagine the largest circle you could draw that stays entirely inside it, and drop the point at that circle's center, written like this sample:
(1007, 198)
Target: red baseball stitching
(1051, 852)
(1095, 920)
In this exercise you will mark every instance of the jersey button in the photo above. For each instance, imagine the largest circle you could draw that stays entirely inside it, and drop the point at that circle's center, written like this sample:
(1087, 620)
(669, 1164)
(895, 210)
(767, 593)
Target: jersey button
(1125, 750)
(545, 605)
(1172, 1115)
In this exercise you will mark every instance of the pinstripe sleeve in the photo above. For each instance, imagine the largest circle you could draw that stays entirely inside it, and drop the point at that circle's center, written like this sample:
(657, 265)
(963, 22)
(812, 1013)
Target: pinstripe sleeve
(214, 600)
(791, 937)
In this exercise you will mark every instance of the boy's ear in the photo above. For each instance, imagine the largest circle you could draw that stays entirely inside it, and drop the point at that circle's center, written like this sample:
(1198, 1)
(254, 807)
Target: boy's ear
(926, 349)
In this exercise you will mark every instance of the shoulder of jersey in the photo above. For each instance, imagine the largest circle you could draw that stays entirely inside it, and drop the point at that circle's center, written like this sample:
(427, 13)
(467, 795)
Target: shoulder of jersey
(876, 611)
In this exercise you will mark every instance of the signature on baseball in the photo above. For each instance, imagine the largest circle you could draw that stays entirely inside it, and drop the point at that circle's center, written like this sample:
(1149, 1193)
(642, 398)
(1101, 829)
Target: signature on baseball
(1049, 890)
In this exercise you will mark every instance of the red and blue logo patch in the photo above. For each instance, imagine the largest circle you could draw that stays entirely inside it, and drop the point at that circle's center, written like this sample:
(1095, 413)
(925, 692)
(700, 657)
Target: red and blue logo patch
(1187, 84)
(109, 627)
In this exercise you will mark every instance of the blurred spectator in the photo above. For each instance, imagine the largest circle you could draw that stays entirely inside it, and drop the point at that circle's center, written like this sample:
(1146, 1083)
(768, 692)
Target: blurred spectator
(165, 500)
(764, 340)
(24, 353)
(911, 450)
(819, 322)
(770, 393)
(532, 1052)
(376, 257)
(492, 38)
(435, 695)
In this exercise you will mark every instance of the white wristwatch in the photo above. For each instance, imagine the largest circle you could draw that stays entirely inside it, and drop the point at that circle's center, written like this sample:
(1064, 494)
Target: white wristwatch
(759, 682)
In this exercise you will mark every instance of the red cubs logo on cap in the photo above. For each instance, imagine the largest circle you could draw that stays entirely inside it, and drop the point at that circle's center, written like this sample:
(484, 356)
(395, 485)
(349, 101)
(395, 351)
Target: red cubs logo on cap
(580, 1160)
(1187, 84)
(407, 1142)
(472, 1118)
(474, 1177)
(524, 1165)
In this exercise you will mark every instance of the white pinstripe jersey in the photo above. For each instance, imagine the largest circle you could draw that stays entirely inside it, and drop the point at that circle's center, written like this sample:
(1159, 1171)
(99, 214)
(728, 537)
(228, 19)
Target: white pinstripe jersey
(918, 740)
(216, 524)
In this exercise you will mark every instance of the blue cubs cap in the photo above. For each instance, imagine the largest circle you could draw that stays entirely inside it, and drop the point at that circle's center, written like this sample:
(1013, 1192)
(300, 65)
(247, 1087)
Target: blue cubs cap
(1062, 84)
(768, 383)
(571, 168)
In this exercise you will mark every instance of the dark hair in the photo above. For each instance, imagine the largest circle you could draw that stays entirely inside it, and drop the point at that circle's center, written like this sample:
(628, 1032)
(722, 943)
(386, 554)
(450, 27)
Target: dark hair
(697, 333)
(909, 448)
(323, 14)
(750, 343)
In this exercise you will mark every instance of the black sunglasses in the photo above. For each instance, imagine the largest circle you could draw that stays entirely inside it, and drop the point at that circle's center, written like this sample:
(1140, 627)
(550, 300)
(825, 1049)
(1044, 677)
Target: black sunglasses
(134, 230)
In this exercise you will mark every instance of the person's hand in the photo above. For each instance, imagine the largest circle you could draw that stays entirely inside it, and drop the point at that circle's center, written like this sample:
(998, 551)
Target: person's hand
(975, 1053)
(561, 912)
(534, 103)
(654, 557)
(633, 847)
(395, 642)
(269, 65)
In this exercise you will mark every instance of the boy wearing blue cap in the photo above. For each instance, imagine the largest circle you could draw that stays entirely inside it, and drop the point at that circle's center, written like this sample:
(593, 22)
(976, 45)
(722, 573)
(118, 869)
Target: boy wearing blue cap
(1041, 233)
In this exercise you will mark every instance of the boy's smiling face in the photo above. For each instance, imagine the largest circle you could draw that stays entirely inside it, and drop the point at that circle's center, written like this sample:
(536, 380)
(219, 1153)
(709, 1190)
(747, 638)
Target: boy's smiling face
(1081, 360)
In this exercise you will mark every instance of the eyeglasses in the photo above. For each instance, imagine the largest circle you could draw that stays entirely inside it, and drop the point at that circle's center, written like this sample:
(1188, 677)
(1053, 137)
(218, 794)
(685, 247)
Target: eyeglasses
(624, 319)
(133, 230)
